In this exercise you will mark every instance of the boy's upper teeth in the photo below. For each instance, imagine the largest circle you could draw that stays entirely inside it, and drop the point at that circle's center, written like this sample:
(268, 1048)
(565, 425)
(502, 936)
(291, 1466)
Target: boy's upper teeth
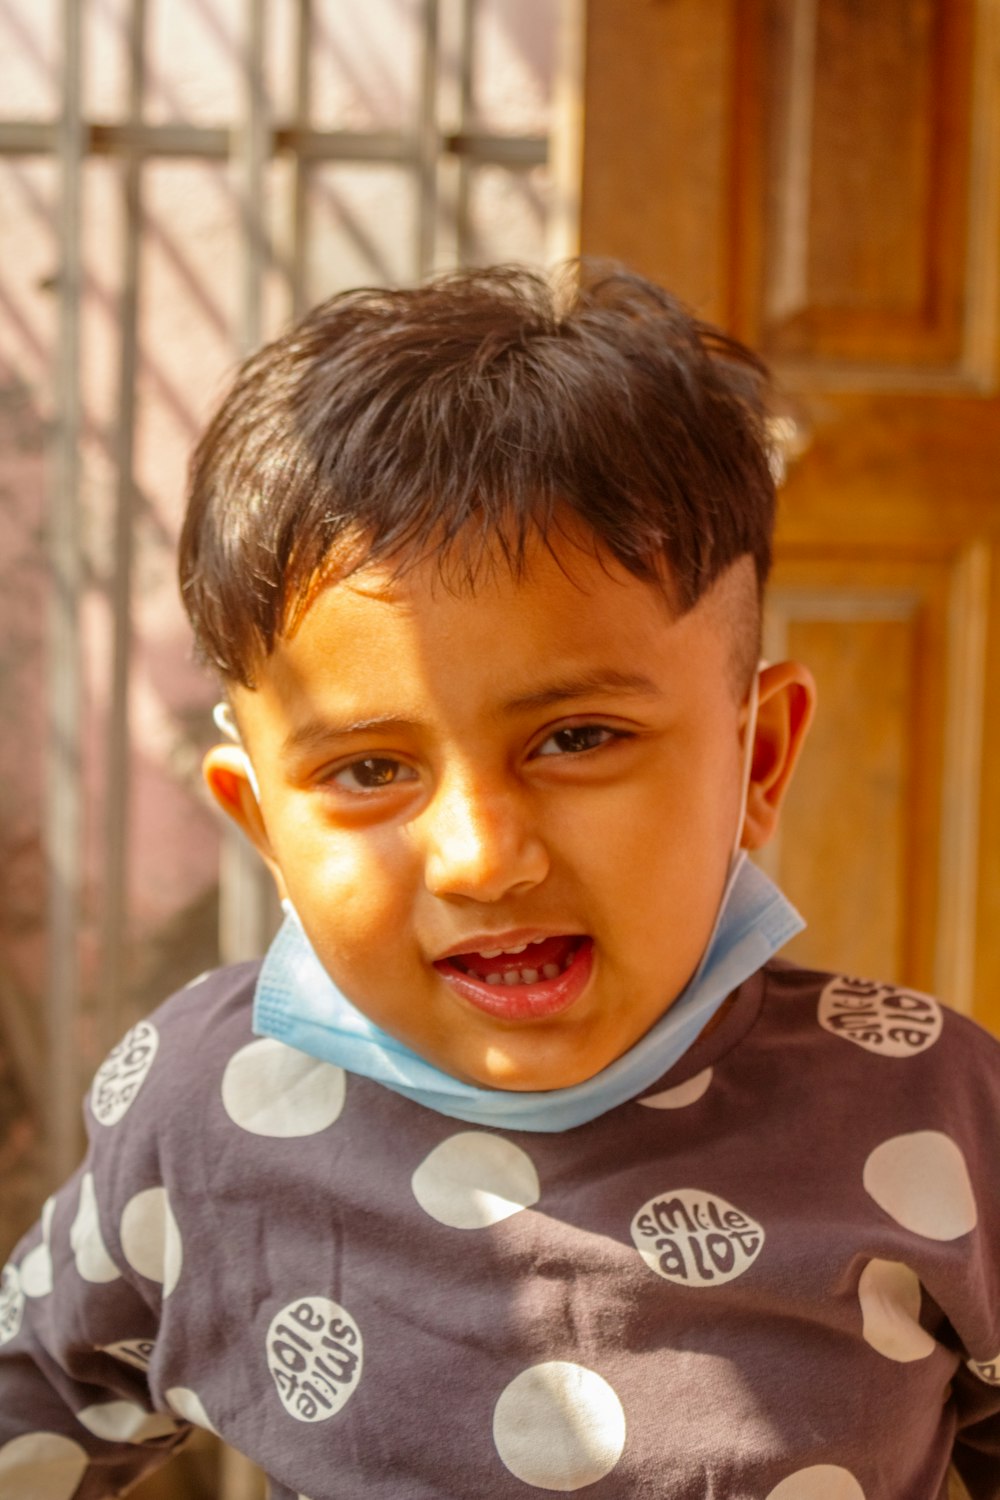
(496, 952)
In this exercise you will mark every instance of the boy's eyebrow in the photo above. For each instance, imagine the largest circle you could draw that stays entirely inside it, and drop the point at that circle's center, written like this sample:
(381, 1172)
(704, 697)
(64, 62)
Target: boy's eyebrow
(609, 680)
(315, 733)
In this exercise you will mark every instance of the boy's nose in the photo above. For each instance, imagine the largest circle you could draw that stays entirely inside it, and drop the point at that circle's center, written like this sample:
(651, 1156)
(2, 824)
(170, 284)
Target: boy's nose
(480, 844)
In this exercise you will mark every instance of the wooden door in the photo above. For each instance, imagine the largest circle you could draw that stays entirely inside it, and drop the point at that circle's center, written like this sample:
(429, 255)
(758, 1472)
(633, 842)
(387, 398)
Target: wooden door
(823, 178)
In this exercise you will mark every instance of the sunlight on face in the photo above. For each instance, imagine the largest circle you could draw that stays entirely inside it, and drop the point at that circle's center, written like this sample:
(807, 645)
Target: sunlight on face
(504, 817)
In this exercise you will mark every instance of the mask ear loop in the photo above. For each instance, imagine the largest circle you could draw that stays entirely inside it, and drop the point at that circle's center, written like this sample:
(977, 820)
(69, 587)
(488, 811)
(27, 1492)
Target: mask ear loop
(746, 771)
(225, 723)
(738, 855)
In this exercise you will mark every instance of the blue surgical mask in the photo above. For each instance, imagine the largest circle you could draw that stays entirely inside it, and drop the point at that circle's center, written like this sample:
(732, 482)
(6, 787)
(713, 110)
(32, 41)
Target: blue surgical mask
(298, 1003)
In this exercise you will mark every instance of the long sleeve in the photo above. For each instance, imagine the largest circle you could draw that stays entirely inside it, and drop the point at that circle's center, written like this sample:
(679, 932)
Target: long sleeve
(76, 1338)
(106, 1327)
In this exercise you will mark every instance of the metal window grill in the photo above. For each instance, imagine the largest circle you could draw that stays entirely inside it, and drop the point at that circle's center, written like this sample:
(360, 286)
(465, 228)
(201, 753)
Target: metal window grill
(440, 149)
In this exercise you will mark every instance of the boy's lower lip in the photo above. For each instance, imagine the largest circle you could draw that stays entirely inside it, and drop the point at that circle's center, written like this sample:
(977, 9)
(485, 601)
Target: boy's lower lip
(524, 1002)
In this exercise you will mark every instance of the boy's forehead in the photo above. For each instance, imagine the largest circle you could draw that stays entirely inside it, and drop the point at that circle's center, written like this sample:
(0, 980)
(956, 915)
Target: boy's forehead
(517, 615)
(568, 566)
(566, 624)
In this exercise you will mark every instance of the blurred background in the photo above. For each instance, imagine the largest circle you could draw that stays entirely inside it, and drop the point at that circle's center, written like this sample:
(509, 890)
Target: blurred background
(178, 178)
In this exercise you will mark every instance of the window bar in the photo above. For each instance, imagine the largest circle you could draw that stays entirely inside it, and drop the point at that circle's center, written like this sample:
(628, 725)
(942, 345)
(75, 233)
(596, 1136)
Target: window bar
(566, 134)
(246, 897)
(63, 834)
(464, 238)
(427, 142)
(247, 901)
(114, 934)
(450, 165)
(246, 904)
(298, 254)
(254, 150)
(176, 140)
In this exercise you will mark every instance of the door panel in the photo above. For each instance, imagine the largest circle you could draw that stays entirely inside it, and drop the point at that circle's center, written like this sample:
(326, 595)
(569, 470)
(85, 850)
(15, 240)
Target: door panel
(860, 124)
(822, 177)
(879, 840)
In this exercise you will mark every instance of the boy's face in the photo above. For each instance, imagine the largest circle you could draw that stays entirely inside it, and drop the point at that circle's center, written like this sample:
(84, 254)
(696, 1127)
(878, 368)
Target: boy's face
(548, 767)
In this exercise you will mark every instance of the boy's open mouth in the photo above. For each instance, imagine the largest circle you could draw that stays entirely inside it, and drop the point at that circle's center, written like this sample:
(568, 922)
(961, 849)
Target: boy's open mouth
(533, 979)
(526, 964)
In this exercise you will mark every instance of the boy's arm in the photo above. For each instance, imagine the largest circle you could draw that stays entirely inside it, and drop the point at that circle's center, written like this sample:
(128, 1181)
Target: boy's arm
(76, 1418)
(78, 1324)
(101, 1329)
(76, 1337)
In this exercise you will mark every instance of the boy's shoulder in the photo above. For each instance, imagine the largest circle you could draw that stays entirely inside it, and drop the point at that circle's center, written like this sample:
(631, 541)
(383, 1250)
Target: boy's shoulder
(165, 1061)
(883, 1018)
(890, 1039)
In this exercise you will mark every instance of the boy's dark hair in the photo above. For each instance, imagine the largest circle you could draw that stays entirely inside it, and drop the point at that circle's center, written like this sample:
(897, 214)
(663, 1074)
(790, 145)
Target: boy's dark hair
(458, 419)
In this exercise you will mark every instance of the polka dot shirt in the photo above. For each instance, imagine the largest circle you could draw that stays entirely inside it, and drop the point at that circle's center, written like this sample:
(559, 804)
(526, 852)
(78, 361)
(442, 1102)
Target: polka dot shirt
(775, 1276)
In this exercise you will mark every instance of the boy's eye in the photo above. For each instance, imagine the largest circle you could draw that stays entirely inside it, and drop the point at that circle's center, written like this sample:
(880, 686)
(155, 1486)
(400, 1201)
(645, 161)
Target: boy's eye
(576, 738)
(373, 773)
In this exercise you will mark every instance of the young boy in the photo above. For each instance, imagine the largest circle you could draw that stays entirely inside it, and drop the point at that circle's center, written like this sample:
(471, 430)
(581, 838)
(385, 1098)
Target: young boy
(519, 1164)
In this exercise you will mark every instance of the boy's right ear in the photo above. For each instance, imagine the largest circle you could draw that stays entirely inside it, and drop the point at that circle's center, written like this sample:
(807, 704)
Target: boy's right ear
(228, 777)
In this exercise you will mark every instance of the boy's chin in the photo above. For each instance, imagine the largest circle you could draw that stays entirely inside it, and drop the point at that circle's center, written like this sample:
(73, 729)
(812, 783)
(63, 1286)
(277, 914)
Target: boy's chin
(507, 1073)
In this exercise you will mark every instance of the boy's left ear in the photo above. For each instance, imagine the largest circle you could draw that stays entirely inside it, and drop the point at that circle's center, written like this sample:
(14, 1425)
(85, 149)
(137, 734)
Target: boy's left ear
(228, 778)
(787, 698)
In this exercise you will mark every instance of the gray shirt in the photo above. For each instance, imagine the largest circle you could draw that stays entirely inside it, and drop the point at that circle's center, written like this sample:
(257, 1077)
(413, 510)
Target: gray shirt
(776, 1276)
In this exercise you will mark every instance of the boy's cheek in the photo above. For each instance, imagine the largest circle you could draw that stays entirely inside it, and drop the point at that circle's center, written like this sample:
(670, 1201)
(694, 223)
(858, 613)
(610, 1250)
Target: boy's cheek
(349, 902)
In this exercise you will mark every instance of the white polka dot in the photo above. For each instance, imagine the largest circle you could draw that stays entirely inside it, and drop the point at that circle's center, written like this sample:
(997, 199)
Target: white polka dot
(92, 1259)
(987, 1370)
(41, 1466)
(922, 1182)
(123, 1073)
(688, 1092)
(188, 1404)
(36, 1267)
(125, 1422)
(36, 1272)
(273, 1090)
(151, 1240)
(820, 1482)
(880, 1018)
(559, 1426)
(473, 1180)
(11, 1303)
(889, 1293)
